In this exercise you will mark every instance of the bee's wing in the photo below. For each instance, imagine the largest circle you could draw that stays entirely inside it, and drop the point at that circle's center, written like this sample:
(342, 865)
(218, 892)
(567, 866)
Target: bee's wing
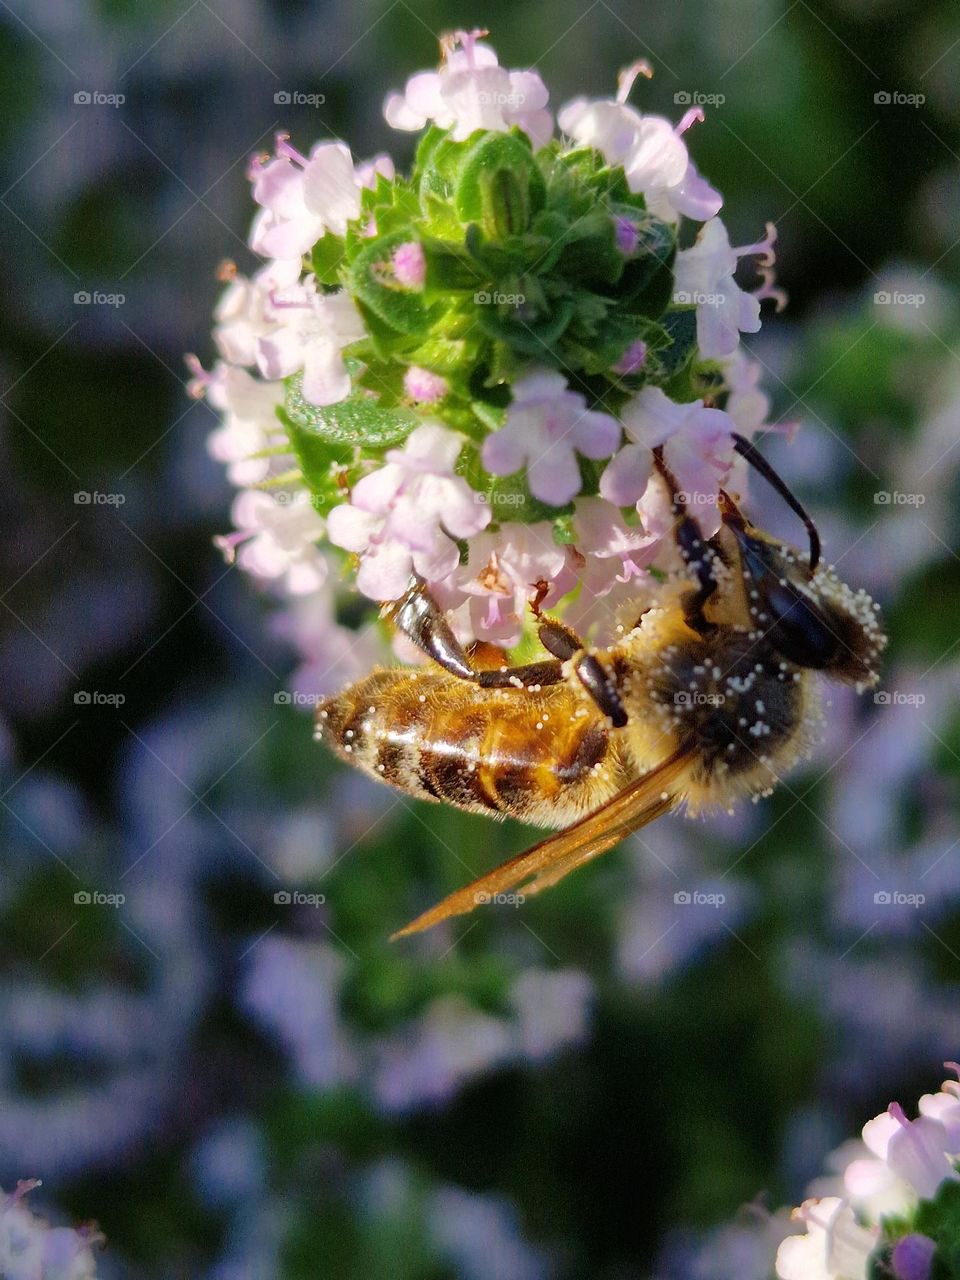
(648, 797)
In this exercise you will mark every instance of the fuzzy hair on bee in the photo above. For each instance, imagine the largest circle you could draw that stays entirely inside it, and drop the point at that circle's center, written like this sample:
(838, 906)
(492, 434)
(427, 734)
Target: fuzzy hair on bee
(709, 698)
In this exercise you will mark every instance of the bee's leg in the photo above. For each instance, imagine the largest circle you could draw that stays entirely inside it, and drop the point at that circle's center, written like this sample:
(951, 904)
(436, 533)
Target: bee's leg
(563, 643)
(422, 620)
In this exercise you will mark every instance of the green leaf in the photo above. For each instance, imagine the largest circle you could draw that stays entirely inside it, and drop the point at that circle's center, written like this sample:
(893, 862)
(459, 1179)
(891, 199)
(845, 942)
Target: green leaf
(489, 155)
(327, 257)
(369, 277)
(358, 422)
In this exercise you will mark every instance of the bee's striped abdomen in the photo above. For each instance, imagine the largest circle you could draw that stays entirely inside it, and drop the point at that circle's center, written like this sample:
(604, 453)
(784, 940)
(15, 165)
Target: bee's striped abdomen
(544, 756)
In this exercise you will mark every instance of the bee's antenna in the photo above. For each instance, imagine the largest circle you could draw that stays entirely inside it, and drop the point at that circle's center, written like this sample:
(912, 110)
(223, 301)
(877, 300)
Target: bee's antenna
(759, 463)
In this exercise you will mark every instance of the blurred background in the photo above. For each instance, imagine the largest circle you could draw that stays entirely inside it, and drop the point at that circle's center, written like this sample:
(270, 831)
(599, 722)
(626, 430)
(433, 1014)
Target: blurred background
(595, 1085)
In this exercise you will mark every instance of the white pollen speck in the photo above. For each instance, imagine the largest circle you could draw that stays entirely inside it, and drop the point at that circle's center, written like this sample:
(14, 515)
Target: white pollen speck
(348, 749)
(759, 705)
(381, 768)
(348, 734)
(422, 697)
(371, 711)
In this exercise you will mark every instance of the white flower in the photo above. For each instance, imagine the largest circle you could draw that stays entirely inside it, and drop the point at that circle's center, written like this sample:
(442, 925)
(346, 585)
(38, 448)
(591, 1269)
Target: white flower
(650, 149)
(472, 91)
(502, 574)
(245, 311)
(914, 1150)
(614, 552)
(276, 538)
(32, 1250)
(545, 426)
(835, 1246)
(697, 449)
(250, 421)
(404, 516)
(303, 197)
(314, 329)
(704, 275)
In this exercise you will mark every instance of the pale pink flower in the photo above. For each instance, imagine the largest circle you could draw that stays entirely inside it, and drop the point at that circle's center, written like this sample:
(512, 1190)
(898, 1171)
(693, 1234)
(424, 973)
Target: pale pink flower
(404, 516)
(502, 574)
(314, 328)
(409, 264)
(704, 275)
(249, 424)
(303, 197)
(423, 386)
(546, 425)
(835, 1247)
(472, 91)
(614, 552)
(697, 448)
(276, 537)
(245, 311)
(650, 149)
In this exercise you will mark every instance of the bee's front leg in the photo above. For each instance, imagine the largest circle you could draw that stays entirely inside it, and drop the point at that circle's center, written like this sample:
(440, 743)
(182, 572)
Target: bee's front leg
(564, 643)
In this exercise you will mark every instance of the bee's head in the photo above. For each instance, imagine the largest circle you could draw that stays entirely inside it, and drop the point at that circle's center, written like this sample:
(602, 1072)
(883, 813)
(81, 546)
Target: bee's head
(810, 617)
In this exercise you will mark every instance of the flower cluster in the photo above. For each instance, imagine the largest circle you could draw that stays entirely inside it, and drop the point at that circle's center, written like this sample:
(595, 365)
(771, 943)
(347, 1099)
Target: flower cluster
(463, 373)
(30, 1249)
(893, 1209)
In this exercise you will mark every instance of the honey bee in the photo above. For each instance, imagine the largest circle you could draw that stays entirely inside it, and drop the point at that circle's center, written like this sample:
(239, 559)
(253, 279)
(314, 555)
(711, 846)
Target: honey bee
(710, 697)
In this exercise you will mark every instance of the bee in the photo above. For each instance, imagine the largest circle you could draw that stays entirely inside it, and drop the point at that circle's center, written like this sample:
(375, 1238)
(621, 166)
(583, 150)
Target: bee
(709, 698)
